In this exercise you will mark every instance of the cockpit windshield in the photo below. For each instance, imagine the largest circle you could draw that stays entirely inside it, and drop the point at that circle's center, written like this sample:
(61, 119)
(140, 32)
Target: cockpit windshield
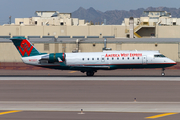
(159, 56)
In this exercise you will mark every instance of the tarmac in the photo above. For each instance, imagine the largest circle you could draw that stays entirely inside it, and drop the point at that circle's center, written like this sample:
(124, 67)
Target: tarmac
(120, 94)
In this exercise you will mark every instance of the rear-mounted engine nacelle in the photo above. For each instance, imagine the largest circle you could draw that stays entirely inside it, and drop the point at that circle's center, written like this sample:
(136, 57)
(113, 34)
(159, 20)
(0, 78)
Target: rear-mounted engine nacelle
(54, 57)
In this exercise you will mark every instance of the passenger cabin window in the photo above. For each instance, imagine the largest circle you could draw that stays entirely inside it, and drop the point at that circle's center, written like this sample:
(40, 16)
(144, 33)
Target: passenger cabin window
(159, 56)
(123, 58)
(97, 58)
(82, 58)
(117, 58)
(88, 59)
(112, 58)
(92, 58)
(133, 58)
(138, 57)
(128, 58)
(107, 58)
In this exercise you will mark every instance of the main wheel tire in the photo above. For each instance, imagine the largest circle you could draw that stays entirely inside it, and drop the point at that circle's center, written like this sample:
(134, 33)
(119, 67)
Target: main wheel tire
(89, 73)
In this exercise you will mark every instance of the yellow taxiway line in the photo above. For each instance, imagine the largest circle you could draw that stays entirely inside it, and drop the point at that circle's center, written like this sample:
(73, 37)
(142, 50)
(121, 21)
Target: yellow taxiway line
(7, 112)
(160, 115)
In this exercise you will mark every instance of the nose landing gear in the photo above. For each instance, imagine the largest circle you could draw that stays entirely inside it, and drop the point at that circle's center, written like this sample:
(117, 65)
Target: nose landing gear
(163, 74)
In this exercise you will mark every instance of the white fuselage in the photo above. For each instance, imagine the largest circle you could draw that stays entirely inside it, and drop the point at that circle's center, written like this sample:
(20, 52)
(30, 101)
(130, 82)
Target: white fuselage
(116, 57)
(106, 58)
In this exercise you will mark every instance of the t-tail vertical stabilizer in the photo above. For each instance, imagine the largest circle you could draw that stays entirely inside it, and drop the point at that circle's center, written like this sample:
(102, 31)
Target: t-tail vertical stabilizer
(24, 47)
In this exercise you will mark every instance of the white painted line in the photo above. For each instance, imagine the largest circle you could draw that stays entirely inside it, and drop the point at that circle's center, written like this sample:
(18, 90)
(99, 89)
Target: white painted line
(91, 106)
(95, 78)
(82, 102)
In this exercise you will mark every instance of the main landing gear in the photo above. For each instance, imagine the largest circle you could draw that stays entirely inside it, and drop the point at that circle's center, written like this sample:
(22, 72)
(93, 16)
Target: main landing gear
(90, 73)
(163, 74)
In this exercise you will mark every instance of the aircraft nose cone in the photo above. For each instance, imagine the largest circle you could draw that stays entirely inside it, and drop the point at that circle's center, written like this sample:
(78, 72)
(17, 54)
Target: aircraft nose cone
(169, 61)
(173, 62)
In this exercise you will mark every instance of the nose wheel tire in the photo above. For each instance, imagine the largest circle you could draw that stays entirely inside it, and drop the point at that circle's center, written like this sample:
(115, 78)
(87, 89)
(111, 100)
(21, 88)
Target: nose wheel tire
(163, 74)
(89, 73)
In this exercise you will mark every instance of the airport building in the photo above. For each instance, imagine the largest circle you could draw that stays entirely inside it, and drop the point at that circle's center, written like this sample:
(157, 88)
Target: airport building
(52, 32)
(50, 18)
(158, 24)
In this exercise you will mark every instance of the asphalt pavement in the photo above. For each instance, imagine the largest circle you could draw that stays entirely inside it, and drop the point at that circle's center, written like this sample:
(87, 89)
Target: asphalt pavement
(128, 94)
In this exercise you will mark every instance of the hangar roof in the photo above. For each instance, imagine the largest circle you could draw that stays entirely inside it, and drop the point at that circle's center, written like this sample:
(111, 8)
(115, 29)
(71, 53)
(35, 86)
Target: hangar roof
(101, 40)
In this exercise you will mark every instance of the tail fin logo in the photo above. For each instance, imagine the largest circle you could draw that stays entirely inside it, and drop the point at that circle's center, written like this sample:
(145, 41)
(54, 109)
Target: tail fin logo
(25, 47)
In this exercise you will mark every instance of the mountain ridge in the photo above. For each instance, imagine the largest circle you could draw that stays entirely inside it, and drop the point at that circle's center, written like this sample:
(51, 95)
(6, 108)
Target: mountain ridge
(115, 17)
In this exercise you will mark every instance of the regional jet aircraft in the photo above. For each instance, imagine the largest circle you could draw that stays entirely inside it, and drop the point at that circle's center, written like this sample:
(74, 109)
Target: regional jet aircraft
(92, 61)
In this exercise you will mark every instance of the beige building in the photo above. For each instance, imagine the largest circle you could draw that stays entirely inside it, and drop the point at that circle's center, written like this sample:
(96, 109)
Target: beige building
(50, 18)
(154, 24)
(52, 24)
(170, 48)
(46, 24)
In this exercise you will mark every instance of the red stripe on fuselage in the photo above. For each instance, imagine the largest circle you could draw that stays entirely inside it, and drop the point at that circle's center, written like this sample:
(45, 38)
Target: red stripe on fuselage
(63, 57)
